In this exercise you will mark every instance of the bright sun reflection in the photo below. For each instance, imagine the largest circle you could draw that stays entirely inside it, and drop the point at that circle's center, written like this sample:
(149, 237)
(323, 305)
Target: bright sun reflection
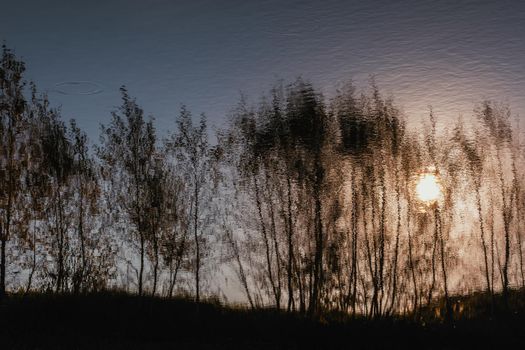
(427, 188)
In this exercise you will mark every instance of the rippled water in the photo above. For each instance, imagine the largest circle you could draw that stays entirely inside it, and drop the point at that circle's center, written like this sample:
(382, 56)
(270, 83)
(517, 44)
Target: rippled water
(447, 54)
(78, 88)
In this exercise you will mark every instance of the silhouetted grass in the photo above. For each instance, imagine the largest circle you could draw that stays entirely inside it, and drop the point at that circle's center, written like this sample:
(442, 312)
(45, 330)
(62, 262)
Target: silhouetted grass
(121, 321)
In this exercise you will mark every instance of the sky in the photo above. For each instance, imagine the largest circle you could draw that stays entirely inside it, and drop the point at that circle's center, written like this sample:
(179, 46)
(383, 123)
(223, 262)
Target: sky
(204, 53)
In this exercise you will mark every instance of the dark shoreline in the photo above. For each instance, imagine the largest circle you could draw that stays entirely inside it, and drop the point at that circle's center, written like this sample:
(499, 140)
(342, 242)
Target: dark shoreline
(120, 321)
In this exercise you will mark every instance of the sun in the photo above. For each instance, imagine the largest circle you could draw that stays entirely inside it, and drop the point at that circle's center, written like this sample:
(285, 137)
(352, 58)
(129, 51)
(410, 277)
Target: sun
(428, 188)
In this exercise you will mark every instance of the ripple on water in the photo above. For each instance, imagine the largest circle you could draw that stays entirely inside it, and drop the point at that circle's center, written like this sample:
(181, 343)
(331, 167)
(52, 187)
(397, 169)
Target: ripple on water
(78, 88)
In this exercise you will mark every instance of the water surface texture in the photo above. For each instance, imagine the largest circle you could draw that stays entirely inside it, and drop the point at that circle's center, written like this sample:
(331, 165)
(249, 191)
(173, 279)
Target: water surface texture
(310, 196)
(448, 54)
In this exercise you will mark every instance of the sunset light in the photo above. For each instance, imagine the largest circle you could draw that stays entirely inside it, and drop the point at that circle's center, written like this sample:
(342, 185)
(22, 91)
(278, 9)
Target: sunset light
(262, 174)
(428, 188)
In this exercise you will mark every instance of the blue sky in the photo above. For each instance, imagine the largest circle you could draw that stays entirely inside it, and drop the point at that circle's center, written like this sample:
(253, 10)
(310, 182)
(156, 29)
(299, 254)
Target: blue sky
(449, 54)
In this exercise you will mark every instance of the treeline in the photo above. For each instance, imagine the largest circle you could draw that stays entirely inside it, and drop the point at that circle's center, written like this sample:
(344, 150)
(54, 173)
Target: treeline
(309, 202)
